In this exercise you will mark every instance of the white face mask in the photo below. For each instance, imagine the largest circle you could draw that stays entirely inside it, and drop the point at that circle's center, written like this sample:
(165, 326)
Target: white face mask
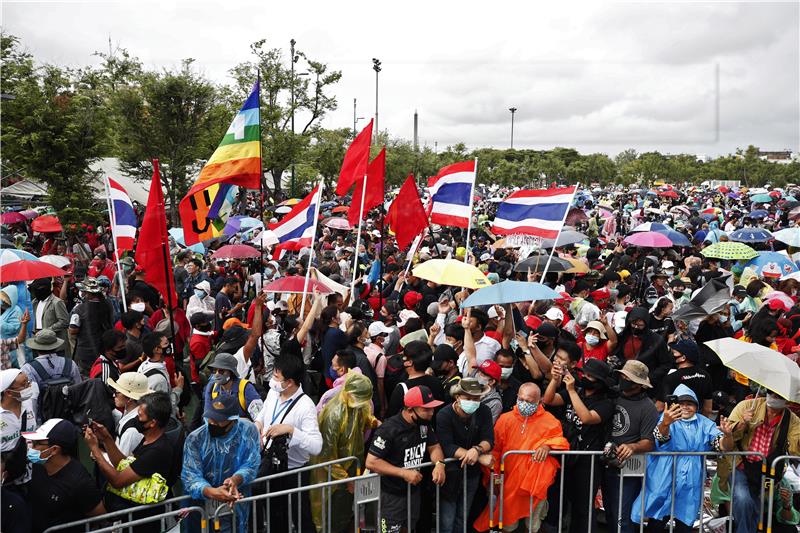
(138, 306)
(276, 385)
(592, 340)
(26, 394)
(505, 372)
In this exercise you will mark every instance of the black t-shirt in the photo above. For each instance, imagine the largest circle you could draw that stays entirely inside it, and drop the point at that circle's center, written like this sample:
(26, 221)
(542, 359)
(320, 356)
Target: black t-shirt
(635, 418)
(509, 394)
(402, 445)
(396, 399)
(456, 432)
(66, 496)
(159, 456)
(693, 377)
(663, 327)
(587, 437)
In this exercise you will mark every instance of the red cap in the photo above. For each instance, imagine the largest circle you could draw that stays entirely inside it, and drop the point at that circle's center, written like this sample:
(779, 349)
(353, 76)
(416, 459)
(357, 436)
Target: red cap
(420, 396)
(601, 294)
(533, 321)
(491, 369)
(776, 303)
(565, 297)
(411, 299)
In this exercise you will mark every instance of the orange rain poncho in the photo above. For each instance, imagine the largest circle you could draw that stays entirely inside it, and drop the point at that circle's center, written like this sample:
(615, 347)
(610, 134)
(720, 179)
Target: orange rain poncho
(523, 477)
(343, 423)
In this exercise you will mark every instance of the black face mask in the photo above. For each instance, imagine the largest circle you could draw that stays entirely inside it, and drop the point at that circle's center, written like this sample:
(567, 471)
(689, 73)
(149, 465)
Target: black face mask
(120, 354)
(589, 385)
(626, 385)
(421, 421)
(637, 331)
(218, 431)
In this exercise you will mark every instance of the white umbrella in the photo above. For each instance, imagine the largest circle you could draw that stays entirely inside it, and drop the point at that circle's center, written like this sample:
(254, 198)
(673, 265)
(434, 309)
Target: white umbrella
(768, 368)
(790, 236)
(266, 238)
(56, 260)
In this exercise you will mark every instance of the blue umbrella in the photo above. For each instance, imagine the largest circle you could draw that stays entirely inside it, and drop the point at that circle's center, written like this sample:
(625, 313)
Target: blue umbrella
(177, 234)
(241, 224)
(651, 226)
(509, 292)
(751, 235)
(733, 195)
(677, 238)
(708, 216)
(772, 264)
(22, 254)
(758, 213)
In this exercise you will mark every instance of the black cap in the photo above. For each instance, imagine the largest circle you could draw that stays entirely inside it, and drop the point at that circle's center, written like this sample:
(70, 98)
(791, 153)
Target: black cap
(442, 353)
(738, 290)
(688, 349)
(222, 408)
(677, 282)
(548, 330)
(598, 369)
(201, 318)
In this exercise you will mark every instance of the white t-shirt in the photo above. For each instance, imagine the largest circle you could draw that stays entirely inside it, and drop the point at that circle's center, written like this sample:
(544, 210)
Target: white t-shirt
(485, 349)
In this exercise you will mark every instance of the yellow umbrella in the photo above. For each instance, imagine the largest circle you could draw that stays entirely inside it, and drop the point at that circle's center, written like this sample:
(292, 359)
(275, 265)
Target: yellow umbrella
(578, 266)
(451, 272)
(290, 202)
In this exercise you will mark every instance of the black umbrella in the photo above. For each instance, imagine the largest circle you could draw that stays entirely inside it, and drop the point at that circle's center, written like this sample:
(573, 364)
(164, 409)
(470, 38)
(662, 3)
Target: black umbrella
(711, 299)
(537, 262)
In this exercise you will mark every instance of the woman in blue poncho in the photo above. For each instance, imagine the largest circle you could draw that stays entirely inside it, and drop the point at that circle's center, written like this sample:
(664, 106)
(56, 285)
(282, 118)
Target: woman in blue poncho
(680, 429)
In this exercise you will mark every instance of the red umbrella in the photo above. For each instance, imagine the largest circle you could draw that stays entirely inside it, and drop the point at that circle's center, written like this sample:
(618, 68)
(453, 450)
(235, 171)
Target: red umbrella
(294, 285)
(26, 270)
(236, 251)
(775, 194)
(12, 217)
(340, 209)
(47, 224)
(723, 189)
(668, 194)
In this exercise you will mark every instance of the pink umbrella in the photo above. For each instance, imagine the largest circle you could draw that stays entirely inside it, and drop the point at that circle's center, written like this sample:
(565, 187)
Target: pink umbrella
(236, 251)
(337, 223)
(295, 284)
(12, 217)
(648, 239)
(30, 213)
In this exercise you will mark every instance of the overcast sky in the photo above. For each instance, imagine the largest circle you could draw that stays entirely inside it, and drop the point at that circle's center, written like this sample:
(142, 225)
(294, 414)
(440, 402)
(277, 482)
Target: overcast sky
(702, 78)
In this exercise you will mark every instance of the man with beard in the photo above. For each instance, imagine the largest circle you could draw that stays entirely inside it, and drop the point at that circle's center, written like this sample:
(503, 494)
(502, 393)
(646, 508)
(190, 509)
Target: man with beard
(219, 457)
(397, 450)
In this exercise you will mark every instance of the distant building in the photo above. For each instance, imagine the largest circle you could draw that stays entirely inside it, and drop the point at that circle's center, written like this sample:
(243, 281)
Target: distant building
(781, 156)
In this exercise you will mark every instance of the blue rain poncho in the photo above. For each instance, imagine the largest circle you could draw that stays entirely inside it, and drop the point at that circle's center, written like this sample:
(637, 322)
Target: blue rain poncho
(209, 461)
(698, 435)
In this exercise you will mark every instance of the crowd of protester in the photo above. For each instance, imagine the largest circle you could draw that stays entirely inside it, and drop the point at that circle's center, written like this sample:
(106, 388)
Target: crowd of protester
(235, 383)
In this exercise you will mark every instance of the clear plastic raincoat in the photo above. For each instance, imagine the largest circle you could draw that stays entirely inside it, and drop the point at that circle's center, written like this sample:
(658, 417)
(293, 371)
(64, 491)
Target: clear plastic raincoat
(209, 461)
(343, 423)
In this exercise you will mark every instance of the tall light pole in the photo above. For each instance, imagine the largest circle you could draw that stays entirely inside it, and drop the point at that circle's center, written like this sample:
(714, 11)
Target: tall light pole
(294, 60)
(376, 66)
(355, 119)
(513, 110)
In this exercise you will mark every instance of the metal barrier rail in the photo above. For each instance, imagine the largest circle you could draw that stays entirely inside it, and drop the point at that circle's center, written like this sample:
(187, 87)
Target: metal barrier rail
(593, 455)
(141, 521)
(771, 496)
(182, 500)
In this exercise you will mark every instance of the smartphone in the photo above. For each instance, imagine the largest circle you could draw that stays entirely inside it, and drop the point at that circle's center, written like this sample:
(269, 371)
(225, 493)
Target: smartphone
(672, 399)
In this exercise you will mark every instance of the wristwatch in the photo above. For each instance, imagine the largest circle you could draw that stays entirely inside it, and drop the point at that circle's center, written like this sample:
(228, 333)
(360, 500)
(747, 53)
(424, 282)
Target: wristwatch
(439, 463)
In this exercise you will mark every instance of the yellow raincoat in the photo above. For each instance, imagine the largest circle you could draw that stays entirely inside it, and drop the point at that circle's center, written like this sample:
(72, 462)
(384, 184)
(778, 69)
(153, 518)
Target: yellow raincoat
(343, 423)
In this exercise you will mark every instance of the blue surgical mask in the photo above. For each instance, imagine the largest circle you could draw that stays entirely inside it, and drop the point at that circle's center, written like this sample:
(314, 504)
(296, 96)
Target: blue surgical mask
(222, 379)
(723, 319)
(469, 406)
(35, 457)
(527, 408)
(592, 340)
(200, 294)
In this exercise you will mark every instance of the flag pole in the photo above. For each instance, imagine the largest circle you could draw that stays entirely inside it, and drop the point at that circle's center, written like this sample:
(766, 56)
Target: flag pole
(260, 183)
(167, 271)
(112, 216)
(311, 253)
(469, 216)
(358, 240)
(555, 242)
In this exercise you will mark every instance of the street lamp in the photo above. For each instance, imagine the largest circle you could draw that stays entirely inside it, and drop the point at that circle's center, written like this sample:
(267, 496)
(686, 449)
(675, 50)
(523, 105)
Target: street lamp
(376, 66)
(355, 119)
(513, 110)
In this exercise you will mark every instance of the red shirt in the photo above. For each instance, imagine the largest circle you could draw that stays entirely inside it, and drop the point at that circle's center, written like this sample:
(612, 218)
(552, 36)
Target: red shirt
(633, 346)
(199, 346)
(762, 438)
(598, 352)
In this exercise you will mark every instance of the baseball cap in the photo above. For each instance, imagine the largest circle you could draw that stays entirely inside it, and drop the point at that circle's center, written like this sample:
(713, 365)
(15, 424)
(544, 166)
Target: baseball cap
(776, 303)
(600, 294)
(130, 384)
(405, 315)
(412, 298)
(491, 369)
(623, 274)
(234, 322)
(548, 330)
(738, 290)
(201, 318)
(485, 257)
(223, 407)
(420, 396)
(554, 313)
(442, 353)
(57, 432)
(378, 328)
(688, 349)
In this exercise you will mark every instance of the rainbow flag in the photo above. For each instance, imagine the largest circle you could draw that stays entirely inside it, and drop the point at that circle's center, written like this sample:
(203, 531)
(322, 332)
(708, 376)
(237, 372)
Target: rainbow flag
(235, 163)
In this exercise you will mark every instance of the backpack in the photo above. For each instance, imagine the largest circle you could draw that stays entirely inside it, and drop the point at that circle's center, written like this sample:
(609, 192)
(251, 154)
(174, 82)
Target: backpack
(52, 397)
(174, 431)
(153, 371)
(242, 400)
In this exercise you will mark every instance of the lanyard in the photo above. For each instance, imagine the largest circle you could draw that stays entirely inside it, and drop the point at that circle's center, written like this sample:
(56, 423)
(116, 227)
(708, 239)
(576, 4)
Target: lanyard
(283, 407)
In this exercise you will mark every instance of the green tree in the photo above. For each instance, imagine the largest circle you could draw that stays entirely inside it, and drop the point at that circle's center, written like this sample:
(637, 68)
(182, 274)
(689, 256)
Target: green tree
(312, 85)
(176, 117)
(326, 152)
(625, 157)
(55, 126)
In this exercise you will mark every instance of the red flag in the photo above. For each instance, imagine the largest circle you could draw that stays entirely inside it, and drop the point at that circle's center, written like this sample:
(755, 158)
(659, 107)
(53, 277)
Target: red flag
(152, 247)
(406, 215)
(354, 166)
(376, 174)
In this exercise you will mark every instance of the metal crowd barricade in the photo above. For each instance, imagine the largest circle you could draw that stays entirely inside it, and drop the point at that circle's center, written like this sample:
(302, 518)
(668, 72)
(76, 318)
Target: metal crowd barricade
(774, 480)
(639, 470)
(168, 512)
(224, 510)
(180, 502)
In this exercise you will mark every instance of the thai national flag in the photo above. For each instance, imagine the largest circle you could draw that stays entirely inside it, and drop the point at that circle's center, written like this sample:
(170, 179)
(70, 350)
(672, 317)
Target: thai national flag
(123, 217)
(539, 213)
(297, 228)
(451, 192)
